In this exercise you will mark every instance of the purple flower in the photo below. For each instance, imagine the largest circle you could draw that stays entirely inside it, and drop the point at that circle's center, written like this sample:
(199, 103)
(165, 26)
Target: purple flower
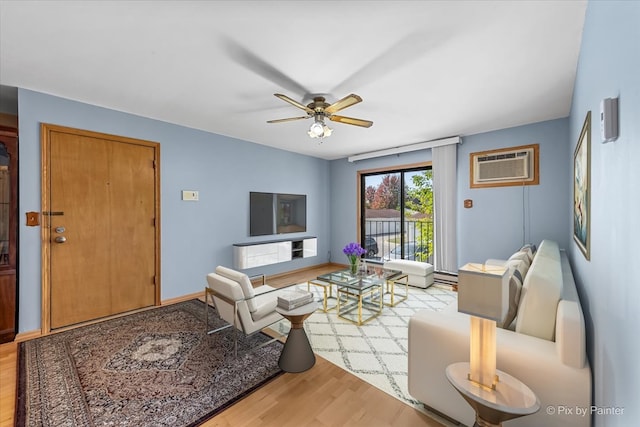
(353, 249)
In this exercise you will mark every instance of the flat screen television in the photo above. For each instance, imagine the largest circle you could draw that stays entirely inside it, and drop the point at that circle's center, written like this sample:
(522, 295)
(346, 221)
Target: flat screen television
(277, 213)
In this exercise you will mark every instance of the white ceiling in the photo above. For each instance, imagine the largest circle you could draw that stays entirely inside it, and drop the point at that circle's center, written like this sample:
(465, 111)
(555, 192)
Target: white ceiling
(425, 69)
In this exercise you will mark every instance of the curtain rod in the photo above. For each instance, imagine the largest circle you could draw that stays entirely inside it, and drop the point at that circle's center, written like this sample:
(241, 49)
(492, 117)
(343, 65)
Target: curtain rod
(406, 148)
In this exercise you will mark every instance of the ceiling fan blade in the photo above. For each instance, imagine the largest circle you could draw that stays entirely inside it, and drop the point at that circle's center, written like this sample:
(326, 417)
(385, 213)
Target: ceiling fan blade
(290, 119)
(410, 48)
(244, 57)
(345, 102)
(351, 121)
(294, 102)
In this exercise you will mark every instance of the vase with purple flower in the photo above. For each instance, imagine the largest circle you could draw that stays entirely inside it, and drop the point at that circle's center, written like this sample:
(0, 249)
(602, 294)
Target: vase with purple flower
(353, 251)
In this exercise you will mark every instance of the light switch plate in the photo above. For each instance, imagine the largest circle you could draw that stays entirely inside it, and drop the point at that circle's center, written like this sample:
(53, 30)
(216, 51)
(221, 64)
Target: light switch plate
(190, 195)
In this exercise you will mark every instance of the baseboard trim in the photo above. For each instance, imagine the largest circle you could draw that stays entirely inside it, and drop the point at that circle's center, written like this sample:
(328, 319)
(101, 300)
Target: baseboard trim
(299, 270)
(196, 295)
(29, 335)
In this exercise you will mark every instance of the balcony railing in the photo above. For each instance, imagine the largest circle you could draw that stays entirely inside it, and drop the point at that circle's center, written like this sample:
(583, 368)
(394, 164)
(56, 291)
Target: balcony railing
(385, 239)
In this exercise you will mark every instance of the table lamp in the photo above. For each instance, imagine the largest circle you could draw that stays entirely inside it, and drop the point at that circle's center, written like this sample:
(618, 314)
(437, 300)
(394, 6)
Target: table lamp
(483, 293)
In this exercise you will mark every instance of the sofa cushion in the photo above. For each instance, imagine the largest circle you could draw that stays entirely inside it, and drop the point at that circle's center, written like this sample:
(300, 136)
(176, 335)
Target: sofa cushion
(541, 291)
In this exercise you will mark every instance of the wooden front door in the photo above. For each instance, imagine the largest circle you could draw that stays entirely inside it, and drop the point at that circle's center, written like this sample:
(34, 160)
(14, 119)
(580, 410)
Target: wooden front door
(100, 225)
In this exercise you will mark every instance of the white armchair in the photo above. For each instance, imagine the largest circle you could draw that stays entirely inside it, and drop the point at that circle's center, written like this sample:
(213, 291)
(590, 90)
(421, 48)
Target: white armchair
(238, 303)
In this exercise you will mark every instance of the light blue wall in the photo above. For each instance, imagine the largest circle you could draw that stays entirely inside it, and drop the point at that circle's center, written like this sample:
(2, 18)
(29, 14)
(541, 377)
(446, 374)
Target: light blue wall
(502, 219)
(196, 236)
(493, 228)
(609, 284)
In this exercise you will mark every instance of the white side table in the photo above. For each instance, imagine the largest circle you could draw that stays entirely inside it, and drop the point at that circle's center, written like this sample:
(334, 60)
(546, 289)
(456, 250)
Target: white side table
(297, 354)
(511, 398)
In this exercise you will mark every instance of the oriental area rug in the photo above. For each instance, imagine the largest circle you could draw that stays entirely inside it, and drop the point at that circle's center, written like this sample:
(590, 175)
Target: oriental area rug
(152, 368)
(376, 351)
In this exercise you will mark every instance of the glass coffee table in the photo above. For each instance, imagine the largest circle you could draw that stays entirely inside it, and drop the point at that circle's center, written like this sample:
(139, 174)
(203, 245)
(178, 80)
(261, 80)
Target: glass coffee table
(360, 297)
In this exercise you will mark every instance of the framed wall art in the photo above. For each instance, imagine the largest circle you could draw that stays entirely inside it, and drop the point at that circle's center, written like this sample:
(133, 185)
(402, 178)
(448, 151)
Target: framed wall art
(582, 189)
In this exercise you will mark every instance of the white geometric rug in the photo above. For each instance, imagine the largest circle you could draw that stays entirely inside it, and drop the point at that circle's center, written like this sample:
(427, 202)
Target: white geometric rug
(376, 352)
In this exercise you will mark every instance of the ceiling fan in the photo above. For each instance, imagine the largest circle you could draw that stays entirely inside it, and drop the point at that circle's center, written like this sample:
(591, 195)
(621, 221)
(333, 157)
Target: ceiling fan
(319, 109)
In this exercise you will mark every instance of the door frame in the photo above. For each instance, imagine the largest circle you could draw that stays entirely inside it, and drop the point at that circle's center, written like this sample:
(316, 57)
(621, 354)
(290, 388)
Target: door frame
(45, 140)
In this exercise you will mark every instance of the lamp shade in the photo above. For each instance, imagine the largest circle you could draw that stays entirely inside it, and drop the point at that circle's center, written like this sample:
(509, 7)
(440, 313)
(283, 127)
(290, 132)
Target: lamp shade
(483, 291)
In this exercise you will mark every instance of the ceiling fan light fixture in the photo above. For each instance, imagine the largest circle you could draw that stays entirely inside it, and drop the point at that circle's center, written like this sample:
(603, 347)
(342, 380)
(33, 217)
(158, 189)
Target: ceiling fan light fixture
(318, 129)
(319, 109)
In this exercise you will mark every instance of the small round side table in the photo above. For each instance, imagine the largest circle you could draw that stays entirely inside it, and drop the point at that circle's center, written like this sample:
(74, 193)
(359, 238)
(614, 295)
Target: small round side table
(297, 354)
(511, 398)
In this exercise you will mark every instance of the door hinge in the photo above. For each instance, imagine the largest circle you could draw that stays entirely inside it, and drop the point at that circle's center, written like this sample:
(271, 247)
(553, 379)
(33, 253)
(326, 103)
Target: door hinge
(153, 280)
(153, 164)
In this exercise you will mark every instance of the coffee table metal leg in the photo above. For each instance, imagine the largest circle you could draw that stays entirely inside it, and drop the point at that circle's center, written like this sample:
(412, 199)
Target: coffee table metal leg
(327, 294)
(391, 290)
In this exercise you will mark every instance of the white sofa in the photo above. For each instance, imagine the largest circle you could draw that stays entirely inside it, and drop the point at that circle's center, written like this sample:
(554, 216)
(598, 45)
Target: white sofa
(419, 274)
(547, 349)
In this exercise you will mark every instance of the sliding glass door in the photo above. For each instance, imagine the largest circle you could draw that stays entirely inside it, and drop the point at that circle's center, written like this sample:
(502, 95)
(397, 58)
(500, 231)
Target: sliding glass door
(396, 219)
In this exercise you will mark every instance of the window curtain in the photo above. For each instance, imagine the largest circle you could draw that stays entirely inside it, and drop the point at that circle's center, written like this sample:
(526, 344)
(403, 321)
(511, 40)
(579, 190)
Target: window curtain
(444, 165)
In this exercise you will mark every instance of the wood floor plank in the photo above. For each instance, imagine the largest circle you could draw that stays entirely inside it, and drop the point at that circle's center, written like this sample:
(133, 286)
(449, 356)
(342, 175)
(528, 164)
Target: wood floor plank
(325, 395)
(8, 370)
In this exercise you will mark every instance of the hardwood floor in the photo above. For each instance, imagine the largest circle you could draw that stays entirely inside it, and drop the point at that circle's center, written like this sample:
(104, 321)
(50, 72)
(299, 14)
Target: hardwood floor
(8, 370)
(325, 395)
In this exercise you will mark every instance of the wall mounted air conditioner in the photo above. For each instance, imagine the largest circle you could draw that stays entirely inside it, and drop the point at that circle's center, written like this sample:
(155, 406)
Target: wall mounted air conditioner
(515, 166)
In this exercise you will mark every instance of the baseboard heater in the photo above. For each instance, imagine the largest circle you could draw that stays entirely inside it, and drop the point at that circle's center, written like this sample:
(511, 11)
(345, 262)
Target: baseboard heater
(446, 277)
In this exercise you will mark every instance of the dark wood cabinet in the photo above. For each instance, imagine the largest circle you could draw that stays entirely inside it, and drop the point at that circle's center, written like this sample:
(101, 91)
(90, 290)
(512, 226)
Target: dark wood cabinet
(8, 233)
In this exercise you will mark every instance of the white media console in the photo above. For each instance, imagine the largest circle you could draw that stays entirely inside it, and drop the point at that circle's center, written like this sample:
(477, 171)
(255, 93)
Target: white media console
(249, 255)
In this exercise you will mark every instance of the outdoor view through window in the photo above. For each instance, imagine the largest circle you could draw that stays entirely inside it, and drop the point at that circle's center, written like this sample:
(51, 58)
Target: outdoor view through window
(398, 214)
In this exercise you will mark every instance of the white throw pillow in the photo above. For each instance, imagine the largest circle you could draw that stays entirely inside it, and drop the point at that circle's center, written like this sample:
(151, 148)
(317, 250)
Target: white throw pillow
(515, 288)
(520, 265)
(529, 250)
(521, 255)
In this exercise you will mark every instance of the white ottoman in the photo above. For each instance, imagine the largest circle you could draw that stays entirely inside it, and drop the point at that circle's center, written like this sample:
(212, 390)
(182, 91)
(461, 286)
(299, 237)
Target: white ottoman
(420, 273)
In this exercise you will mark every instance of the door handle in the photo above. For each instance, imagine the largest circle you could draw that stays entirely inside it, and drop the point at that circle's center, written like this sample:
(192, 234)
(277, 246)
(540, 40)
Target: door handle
(60, 239)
